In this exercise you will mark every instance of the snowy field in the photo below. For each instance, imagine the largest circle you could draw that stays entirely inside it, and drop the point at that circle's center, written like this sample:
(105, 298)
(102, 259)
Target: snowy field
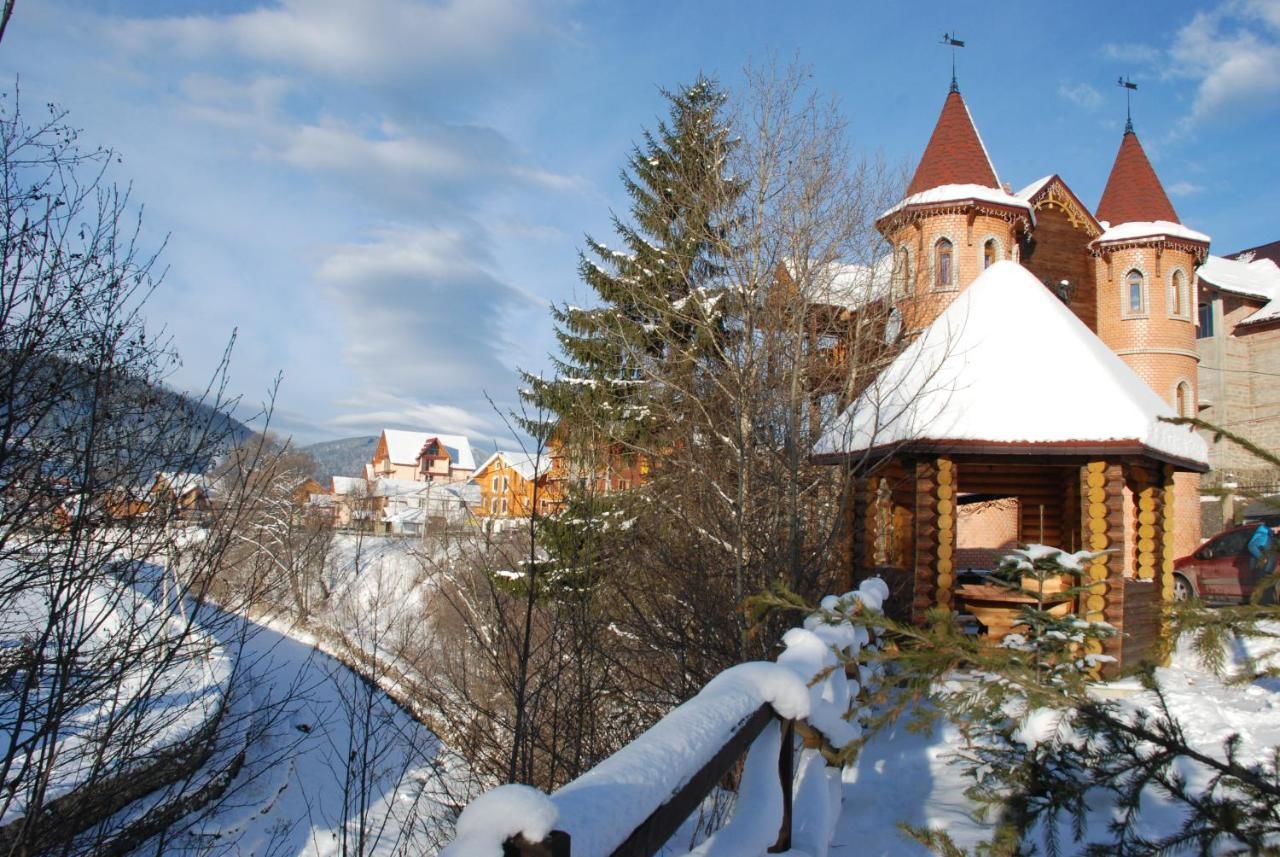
(902, 776)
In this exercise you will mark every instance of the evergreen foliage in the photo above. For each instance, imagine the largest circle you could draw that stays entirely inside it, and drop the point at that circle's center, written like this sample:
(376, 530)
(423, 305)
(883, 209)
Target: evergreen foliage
(680, 196)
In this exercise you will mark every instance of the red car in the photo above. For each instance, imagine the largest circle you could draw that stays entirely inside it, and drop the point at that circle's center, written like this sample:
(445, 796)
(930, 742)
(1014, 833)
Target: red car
(1220, 571)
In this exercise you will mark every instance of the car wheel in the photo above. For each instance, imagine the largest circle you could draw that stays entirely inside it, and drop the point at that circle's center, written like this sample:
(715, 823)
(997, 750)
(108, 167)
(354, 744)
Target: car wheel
(1182, 590)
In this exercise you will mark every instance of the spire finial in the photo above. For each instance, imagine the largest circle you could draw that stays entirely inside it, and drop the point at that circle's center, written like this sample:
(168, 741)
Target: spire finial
(1129, 87)
(950, 39)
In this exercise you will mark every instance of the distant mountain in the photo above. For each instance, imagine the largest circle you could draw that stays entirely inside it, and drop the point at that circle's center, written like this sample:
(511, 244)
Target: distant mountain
(66, 419)
(345, 457)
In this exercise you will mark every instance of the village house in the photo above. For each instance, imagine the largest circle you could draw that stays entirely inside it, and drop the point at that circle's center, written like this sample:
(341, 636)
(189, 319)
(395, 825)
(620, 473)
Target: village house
(508, 482)
(1042, 347)
(416, 456)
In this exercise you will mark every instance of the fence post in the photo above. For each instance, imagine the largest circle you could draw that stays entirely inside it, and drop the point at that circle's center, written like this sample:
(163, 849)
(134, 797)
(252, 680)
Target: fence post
(555, 845)
(786, 777)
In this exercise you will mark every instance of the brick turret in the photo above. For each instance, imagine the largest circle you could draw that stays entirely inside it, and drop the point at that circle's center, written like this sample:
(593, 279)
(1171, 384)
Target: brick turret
(955, 220)
(1145, 263)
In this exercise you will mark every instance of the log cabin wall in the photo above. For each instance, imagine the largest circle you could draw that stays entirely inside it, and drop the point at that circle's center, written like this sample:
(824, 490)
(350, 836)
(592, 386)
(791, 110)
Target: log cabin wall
(880, 516)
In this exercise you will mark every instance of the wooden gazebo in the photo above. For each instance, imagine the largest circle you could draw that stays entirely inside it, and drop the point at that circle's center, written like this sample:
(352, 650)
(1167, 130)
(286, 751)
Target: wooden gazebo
(1007, 395)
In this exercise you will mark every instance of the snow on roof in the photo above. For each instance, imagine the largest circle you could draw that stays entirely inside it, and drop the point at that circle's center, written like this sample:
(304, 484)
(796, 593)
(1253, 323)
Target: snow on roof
(1259, 278)
(1034, 188)
(977, 375)
(403, 447)
(180, 482)
(846, 284)
(344, 485)
(527, 464)
(1148, 229)
(960, 193)
(398, 487)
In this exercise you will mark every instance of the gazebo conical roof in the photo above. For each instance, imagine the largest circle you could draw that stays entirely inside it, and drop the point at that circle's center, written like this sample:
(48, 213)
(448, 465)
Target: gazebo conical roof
(1008, 368)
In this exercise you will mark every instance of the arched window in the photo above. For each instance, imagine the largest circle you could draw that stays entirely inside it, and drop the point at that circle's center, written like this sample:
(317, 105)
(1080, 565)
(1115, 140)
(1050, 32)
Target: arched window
(1178, 294)
(990, 253)
(942, 273)
(1134, 297)
(1182, 399)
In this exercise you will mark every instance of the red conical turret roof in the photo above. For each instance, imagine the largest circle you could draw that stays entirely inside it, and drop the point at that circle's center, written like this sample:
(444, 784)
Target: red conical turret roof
(1134, 193)
(955, 154)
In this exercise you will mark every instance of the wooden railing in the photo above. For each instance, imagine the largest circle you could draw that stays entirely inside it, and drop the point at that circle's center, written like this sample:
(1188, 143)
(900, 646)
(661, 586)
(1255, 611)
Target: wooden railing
(782, 693)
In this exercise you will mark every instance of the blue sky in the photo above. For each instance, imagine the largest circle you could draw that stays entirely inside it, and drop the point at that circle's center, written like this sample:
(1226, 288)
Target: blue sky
(382, 197)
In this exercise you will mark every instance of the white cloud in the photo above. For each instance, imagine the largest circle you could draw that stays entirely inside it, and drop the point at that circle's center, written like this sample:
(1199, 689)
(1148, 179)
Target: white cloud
(1185, 188)
(368, 40)
(1081, 94)
(423, 315)
(1233, 52)
(372, 412)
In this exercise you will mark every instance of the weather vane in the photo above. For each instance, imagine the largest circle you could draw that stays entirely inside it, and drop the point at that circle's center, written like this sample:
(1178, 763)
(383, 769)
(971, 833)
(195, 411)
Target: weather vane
(1129, 86)
(950, 39)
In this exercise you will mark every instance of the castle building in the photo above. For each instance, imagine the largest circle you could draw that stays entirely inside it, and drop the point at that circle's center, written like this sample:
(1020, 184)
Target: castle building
(1126, 270)
(1044, 348)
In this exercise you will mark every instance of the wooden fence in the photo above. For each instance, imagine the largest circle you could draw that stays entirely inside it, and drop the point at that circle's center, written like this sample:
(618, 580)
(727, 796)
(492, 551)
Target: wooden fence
(631, 804)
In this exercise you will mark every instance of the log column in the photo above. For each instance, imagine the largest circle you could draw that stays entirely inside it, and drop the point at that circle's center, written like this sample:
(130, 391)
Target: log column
(1168, 530)
(925, 550)
(1113, 607)
(935, 536)
(861, 494)
(1147, 495)
(1103, 491)
(946, 532)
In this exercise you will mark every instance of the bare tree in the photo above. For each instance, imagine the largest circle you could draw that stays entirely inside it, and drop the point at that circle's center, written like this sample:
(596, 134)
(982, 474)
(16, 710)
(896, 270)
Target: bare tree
(102, 577)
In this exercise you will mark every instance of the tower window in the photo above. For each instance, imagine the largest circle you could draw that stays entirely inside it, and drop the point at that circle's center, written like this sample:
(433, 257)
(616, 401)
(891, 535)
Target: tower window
(1178, 295)
(1134, 295)
(1182, 399)
(942, 264)
(1205, 328)
(989, 253)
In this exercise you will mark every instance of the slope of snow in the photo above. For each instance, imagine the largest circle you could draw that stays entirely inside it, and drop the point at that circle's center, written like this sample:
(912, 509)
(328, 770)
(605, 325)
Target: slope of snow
(153, 704)
(905, 776)
(1008, 363)
(331, 760)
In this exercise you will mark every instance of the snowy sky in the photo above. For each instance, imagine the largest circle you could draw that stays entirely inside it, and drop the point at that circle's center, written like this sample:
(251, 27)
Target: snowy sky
(383, 196)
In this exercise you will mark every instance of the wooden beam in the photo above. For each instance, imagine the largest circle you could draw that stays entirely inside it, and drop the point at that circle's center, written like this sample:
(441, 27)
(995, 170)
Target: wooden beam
(655, 830)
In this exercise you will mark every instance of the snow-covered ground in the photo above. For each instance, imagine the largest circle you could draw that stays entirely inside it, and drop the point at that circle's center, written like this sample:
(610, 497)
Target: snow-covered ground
(333, 766)
(166, 682)
(906, 777)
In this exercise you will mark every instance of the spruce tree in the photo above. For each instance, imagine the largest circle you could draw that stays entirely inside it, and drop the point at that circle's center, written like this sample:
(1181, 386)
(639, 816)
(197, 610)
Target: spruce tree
(651, 290)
